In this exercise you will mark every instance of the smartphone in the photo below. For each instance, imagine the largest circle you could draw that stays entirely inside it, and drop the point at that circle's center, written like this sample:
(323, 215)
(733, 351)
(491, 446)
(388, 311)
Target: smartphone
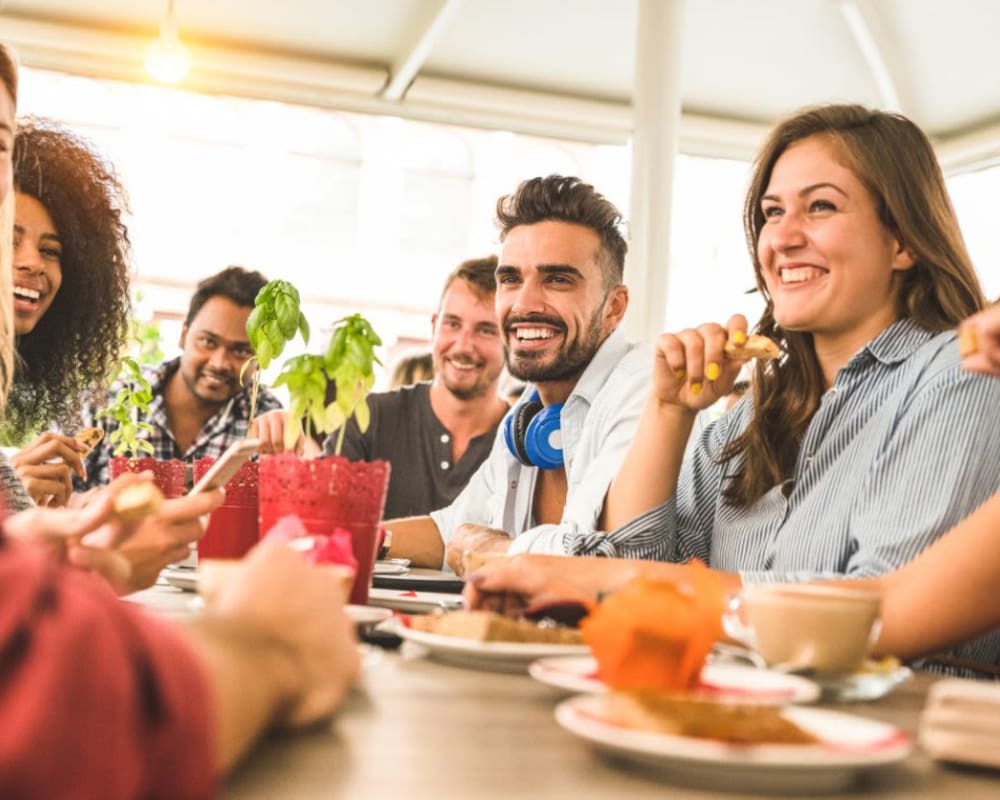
(236, 455)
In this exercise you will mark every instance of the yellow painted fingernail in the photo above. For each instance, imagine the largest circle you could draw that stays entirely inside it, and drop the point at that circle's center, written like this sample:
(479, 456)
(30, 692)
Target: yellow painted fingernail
(712, 371)
(739, 337)
(679, 373)
(696, 387)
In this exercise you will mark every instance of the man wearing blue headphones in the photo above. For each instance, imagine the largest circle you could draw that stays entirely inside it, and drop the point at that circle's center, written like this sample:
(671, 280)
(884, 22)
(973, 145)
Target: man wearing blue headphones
(559, 302)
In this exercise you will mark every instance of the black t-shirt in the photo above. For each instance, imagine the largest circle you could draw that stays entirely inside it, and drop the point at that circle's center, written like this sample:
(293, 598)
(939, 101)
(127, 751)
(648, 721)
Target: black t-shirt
(405, 432)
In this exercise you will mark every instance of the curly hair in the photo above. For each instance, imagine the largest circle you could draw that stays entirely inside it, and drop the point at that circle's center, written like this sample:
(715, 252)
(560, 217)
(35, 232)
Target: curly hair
(77, 344)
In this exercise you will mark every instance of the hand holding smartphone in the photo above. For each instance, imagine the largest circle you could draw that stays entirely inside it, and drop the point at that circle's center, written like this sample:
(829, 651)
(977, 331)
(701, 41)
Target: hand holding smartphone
(236, 455)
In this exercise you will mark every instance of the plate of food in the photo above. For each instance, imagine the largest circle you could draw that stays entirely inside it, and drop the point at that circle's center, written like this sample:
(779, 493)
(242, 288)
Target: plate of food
(182, 578)
(732, 683)
(484, 640)
(725, 745)
(421, 580)
(392, 567)
(411, 601)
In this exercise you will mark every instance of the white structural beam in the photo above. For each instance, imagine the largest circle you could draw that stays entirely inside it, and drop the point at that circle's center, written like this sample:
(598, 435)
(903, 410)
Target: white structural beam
(657, 116)
(416, 51)
(880, 51)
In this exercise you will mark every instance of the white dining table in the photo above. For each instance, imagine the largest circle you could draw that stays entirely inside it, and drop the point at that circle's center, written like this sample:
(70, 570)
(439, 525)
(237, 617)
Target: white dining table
(416, 729)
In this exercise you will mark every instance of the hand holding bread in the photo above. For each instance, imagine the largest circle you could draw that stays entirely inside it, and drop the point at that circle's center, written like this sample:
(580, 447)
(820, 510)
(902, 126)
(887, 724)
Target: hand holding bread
(697, 366)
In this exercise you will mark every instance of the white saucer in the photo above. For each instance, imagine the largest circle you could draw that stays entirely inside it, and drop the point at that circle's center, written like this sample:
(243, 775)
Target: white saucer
(849, 745)
(724, 682)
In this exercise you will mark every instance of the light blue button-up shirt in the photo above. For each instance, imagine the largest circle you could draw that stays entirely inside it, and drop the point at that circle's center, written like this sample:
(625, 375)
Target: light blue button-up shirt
(597, 423)
(904, 445)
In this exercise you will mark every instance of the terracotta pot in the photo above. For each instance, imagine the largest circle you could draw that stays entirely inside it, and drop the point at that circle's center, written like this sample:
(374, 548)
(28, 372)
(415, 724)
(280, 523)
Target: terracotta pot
(232, 528)
(326, 494)
(169, 476)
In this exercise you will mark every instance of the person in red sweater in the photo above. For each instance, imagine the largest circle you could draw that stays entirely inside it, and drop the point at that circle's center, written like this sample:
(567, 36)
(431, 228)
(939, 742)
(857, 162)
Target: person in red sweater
(98, 700)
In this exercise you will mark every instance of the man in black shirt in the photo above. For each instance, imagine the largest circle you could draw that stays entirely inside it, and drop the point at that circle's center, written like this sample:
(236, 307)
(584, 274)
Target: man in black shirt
(437, 433)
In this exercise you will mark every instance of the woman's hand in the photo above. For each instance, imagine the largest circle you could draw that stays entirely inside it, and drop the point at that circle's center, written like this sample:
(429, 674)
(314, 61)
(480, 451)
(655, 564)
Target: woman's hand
(690, 368)
(149, 544)
(46, 467)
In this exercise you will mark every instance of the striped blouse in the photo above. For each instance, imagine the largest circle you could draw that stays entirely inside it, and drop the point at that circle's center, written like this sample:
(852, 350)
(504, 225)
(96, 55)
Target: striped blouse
(904, 445)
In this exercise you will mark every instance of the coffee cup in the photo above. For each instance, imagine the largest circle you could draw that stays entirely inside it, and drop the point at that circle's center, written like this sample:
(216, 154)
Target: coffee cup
(824, 629)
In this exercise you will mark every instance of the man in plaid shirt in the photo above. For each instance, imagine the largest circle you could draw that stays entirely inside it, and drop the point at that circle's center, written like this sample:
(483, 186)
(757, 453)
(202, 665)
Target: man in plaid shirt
(199, 407)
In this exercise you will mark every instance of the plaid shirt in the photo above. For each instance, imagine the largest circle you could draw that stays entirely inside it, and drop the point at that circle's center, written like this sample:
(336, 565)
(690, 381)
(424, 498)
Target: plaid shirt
(228, 425)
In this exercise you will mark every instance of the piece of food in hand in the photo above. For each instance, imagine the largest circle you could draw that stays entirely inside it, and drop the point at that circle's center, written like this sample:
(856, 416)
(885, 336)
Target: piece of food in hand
(137, 500)
(655, 634)
(756, 346)
(486, 626)
(734, 723)
(968, 342)
(89, 437)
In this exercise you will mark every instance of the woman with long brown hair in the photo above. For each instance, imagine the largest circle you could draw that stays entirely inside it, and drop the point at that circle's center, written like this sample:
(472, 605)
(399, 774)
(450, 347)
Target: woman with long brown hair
(865, 440)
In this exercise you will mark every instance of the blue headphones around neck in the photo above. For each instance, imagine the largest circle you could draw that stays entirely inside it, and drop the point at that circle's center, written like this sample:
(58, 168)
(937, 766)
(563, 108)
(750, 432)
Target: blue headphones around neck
(531, 431)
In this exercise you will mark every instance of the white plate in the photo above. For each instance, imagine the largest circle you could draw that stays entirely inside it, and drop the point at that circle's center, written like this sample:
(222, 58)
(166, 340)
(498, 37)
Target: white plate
(413, 602)
(389, 568)
(367, 615)
(496, 656)
(849, 745)
(728, 682)
(181, 577)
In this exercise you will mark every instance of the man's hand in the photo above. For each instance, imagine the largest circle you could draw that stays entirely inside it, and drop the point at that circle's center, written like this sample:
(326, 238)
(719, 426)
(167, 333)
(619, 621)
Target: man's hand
(474, 539)
(511, 585)
(46, 467)
(283, 597)
(269, 428)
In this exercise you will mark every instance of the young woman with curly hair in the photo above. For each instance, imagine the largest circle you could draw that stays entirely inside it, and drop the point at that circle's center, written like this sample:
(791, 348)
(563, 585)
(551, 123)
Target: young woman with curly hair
(71, 296)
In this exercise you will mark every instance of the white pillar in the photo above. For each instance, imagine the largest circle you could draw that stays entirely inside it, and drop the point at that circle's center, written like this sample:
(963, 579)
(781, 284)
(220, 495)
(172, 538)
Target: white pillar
(656, 121)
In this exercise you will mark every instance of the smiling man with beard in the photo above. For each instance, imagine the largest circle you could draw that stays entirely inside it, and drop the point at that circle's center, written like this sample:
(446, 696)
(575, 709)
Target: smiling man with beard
(559, 302)
(436, 434)
(199, 407)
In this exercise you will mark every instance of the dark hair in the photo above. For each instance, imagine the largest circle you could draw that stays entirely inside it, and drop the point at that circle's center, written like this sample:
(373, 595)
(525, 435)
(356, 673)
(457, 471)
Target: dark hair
(235, 283)
(568, 200)
(479, 273)
(77, 343)
(895, 162)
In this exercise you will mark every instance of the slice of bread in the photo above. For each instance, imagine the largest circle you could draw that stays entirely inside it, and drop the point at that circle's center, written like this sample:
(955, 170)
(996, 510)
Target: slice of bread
(89, 437)
(486, 626)
(756, 346)
(736, 723)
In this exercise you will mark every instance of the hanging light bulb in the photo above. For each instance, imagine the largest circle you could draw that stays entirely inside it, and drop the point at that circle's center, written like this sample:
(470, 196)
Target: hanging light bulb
(167, 58)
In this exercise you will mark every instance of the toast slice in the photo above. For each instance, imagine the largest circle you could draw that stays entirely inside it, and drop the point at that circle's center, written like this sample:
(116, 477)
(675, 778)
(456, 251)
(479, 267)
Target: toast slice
(486, 626)
(89, 437)
(137, 501)
(756, 346)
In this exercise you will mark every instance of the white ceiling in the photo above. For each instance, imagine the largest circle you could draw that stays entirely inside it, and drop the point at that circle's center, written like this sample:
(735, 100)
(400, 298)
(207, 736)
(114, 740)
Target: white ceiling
(558, 67)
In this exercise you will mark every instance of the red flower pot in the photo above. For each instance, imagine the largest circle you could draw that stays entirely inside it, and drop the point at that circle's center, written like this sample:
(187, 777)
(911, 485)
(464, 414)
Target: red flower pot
(232, 528)
(328, 493)
(169, 476)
